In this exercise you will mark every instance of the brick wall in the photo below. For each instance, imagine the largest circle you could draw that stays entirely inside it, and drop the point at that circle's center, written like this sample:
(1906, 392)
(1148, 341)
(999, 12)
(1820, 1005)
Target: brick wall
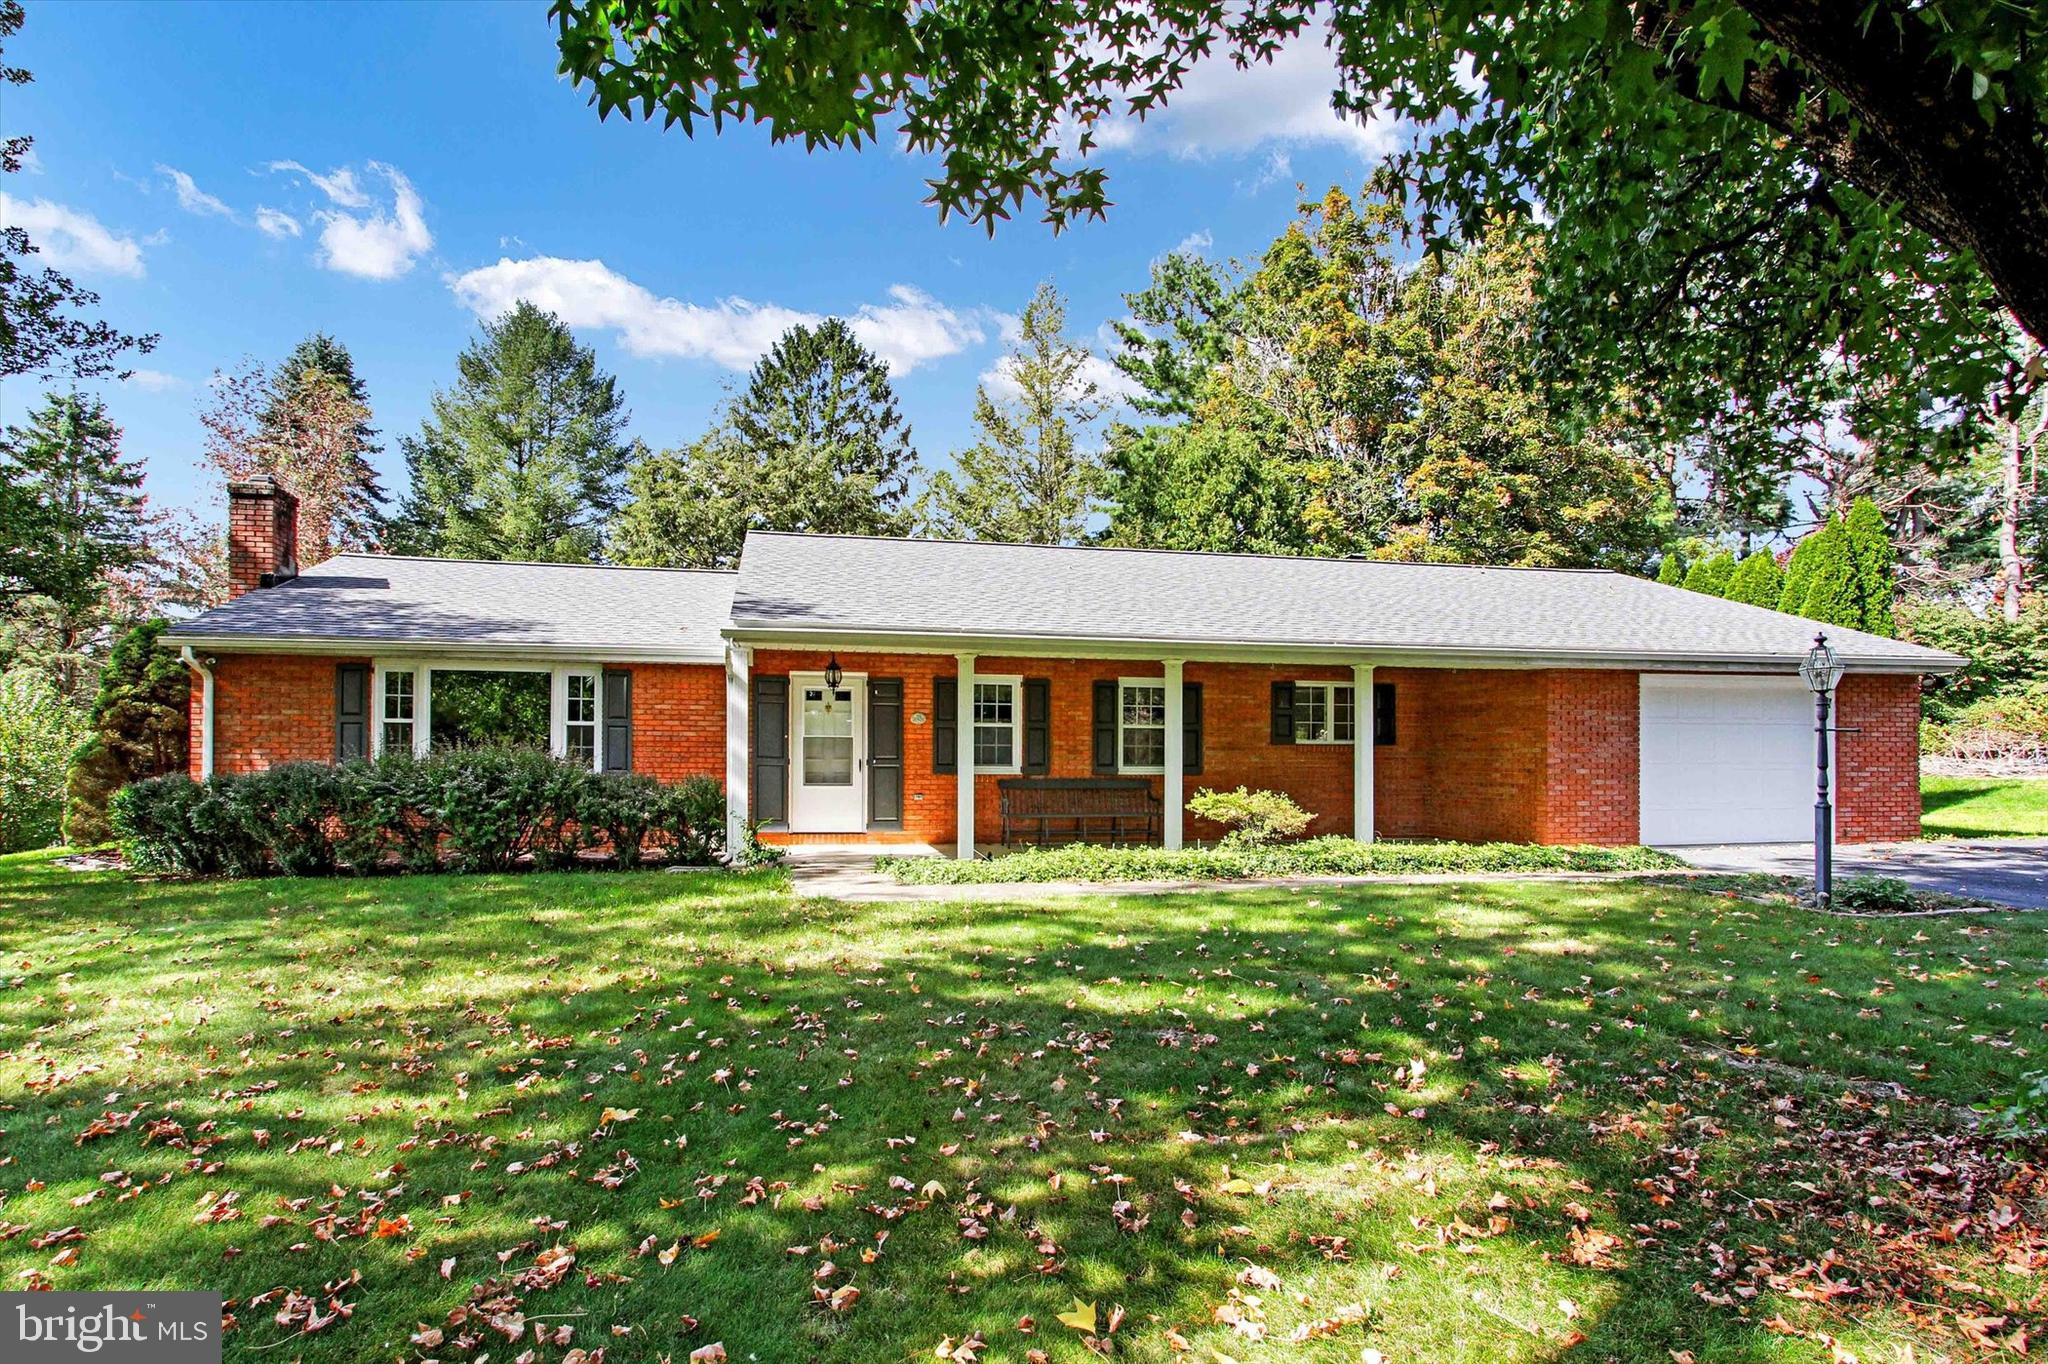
(275, 708)
(1878, 769)
(1592, 789)
(263, 533)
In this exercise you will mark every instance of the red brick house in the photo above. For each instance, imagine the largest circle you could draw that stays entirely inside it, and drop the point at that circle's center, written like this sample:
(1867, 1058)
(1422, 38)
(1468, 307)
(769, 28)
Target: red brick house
(840, 685)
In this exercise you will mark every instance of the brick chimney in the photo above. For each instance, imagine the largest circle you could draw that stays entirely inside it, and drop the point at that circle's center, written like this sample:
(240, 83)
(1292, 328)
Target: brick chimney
(263, 534)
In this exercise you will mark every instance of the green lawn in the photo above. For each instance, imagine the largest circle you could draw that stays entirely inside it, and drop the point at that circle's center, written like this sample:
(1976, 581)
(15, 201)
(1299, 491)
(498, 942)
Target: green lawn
(1981, 807)
(1442, 1122)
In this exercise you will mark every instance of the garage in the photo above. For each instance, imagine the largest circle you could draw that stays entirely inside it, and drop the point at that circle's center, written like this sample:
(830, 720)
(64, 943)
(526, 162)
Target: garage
(1726, 759)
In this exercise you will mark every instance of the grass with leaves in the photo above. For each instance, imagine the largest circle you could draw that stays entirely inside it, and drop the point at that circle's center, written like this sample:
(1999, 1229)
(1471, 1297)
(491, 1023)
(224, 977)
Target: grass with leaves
(1983, 807)
(443, 1117)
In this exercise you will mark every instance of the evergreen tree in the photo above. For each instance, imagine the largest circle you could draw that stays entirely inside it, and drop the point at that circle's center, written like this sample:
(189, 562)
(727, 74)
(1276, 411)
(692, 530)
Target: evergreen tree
(355, 519)
(523, 458)
(1671, 572)
(1029, 478)
(1208, 486)
(1870, 551)
(1798, 576)
(86, 522)
(1757, 580)
(1834, 593)
(1711, 574)
(814, 443)
(138, 729)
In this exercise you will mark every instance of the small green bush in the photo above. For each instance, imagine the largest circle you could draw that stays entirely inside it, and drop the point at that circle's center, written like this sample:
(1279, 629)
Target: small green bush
(1313, 857)
(2026, 1116)
(1254, 818)
(479, 809)
(1875, 895)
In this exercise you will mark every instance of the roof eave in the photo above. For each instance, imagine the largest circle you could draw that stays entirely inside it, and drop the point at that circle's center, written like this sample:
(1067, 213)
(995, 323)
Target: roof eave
(761, 633)
(356, 646)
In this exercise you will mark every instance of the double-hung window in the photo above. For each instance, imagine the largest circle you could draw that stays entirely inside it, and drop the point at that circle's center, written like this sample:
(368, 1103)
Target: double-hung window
(397, 711)
(1141, 725)
(579, 718)
(997, 713)
(1325, 713)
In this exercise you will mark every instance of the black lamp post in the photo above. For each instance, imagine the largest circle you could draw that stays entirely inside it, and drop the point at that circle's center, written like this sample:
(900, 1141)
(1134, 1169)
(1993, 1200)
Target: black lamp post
(1821, 670)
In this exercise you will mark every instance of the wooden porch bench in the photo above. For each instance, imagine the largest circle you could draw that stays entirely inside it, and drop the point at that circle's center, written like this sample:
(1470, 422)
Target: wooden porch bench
(1118, 808)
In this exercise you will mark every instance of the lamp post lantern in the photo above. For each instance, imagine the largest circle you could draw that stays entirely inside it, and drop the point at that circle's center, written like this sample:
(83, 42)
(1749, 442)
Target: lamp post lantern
(1821, 670)
(833, 673)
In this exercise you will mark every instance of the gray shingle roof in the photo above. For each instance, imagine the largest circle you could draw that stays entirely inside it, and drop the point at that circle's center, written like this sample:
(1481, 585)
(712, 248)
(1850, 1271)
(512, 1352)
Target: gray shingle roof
(372, 600)
(860, 586)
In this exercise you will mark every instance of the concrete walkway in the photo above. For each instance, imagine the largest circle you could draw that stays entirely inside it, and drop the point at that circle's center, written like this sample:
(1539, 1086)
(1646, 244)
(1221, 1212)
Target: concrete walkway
(2009, 871)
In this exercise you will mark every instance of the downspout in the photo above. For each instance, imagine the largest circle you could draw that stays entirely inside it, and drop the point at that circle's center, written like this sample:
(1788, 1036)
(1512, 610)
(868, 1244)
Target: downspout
(205, 709)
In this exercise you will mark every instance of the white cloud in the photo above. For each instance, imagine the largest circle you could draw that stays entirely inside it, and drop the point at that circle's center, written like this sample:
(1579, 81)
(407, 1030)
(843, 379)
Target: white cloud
(31, 164)
(1196, 242)
(377, 244)
(191, 198)
(72, 240)
(910, 329)
(338, 184)
(154, 380)
(273, 223)
(1222, 111)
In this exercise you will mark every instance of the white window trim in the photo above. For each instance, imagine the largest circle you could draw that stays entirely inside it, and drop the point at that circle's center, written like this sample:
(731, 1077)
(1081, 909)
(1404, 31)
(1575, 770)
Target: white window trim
(1121, 765)
(1330, 708)
(423, 669)
(1016, 686)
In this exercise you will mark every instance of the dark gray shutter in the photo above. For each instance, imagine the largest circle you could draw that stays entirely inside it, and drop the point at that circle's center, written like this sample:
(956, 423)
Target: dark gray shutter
(1382, 713)
(351, 711)
(771, 750)
(618, 720)
(1105, 726)
(1191, 727)
(1037, 727)
(1283, 712)
(945, 724)
(885, 753)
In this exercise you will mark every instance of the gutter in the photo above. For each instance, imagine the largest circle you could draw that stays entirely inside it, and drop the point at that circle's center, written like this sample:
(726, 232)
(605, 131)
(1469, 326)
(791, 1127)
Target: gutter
(357, 646)
(1387, 655)
(205, 672)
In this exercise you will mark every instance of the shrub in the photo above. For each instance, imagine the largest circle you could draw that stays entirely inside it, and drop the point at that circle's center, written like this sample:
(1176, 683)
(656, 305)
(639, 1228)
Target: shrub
(1875, 895)
(2026, 1116)
(626, 807)
(487, 807)
(1313, 857)
(1254, 818)
(39, 729)
(2011, 725)
(138, 725)
(694, 820)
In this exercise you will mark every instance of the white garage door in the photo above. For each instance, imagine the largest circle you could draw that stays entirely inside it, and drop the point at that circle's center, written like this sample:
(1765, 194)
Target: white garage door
(1726, 760)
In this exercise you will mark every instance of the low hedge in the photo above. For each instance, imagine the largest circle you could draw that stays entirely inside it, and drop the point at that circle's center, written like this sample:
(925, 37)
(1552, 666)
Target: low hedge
(472, 810)
(1314, 857)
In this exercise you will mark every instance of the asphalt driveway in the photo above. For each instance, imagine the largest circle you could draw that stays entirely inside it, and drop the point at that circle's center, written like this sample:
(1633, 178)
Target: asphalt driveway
(2011, 871)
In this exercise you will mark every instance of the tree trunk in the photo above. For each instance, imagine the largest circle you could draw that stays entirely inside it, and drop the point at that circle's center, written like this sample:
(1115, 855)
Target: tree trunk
(2010, 568)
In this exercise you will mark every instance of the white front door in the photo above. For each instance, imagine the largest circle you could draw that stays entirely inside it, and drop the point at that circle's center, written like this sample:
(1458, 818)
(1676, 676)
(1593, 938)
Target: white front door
(828, 773)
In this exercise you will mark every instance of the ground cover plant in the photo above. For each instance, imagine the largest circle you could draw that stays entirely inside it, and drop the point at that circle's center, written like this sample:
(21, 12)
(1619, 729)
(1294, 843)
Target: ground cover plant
(1236, 859)
(443, 1117)
(1984, 807)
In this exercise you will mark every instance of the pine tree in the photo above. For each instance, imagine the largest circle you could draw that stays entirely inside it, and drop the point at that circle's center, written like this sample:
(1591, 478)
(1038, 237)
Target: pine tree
(87, 521)
(1798, 576)
(1871, 553)
(1757, 581)
(814, 443)
(1029, 478)
(1711, 574)
(356, 518)
(1671, 572)
(523, 458)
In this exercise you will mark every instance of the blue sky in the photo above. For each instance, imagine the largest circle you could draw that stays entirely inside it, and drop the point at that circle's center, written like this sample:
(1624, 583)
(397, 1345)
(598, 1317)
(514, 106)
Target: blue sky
(235, 177)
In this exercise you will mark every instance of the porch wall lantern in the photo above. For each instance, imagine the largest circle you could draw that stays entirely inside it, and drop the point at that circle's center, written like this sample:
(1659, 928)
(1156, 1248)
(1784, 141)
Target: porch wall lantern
(1821, 670)
(833, 673)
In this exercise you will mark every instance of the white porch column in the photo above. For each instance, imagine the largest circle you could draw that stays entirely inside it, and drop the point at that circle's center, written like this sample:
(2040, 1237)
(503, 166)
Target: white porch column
(1174, 798)
(739, 660)
(963, 760)
(1361, 751)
